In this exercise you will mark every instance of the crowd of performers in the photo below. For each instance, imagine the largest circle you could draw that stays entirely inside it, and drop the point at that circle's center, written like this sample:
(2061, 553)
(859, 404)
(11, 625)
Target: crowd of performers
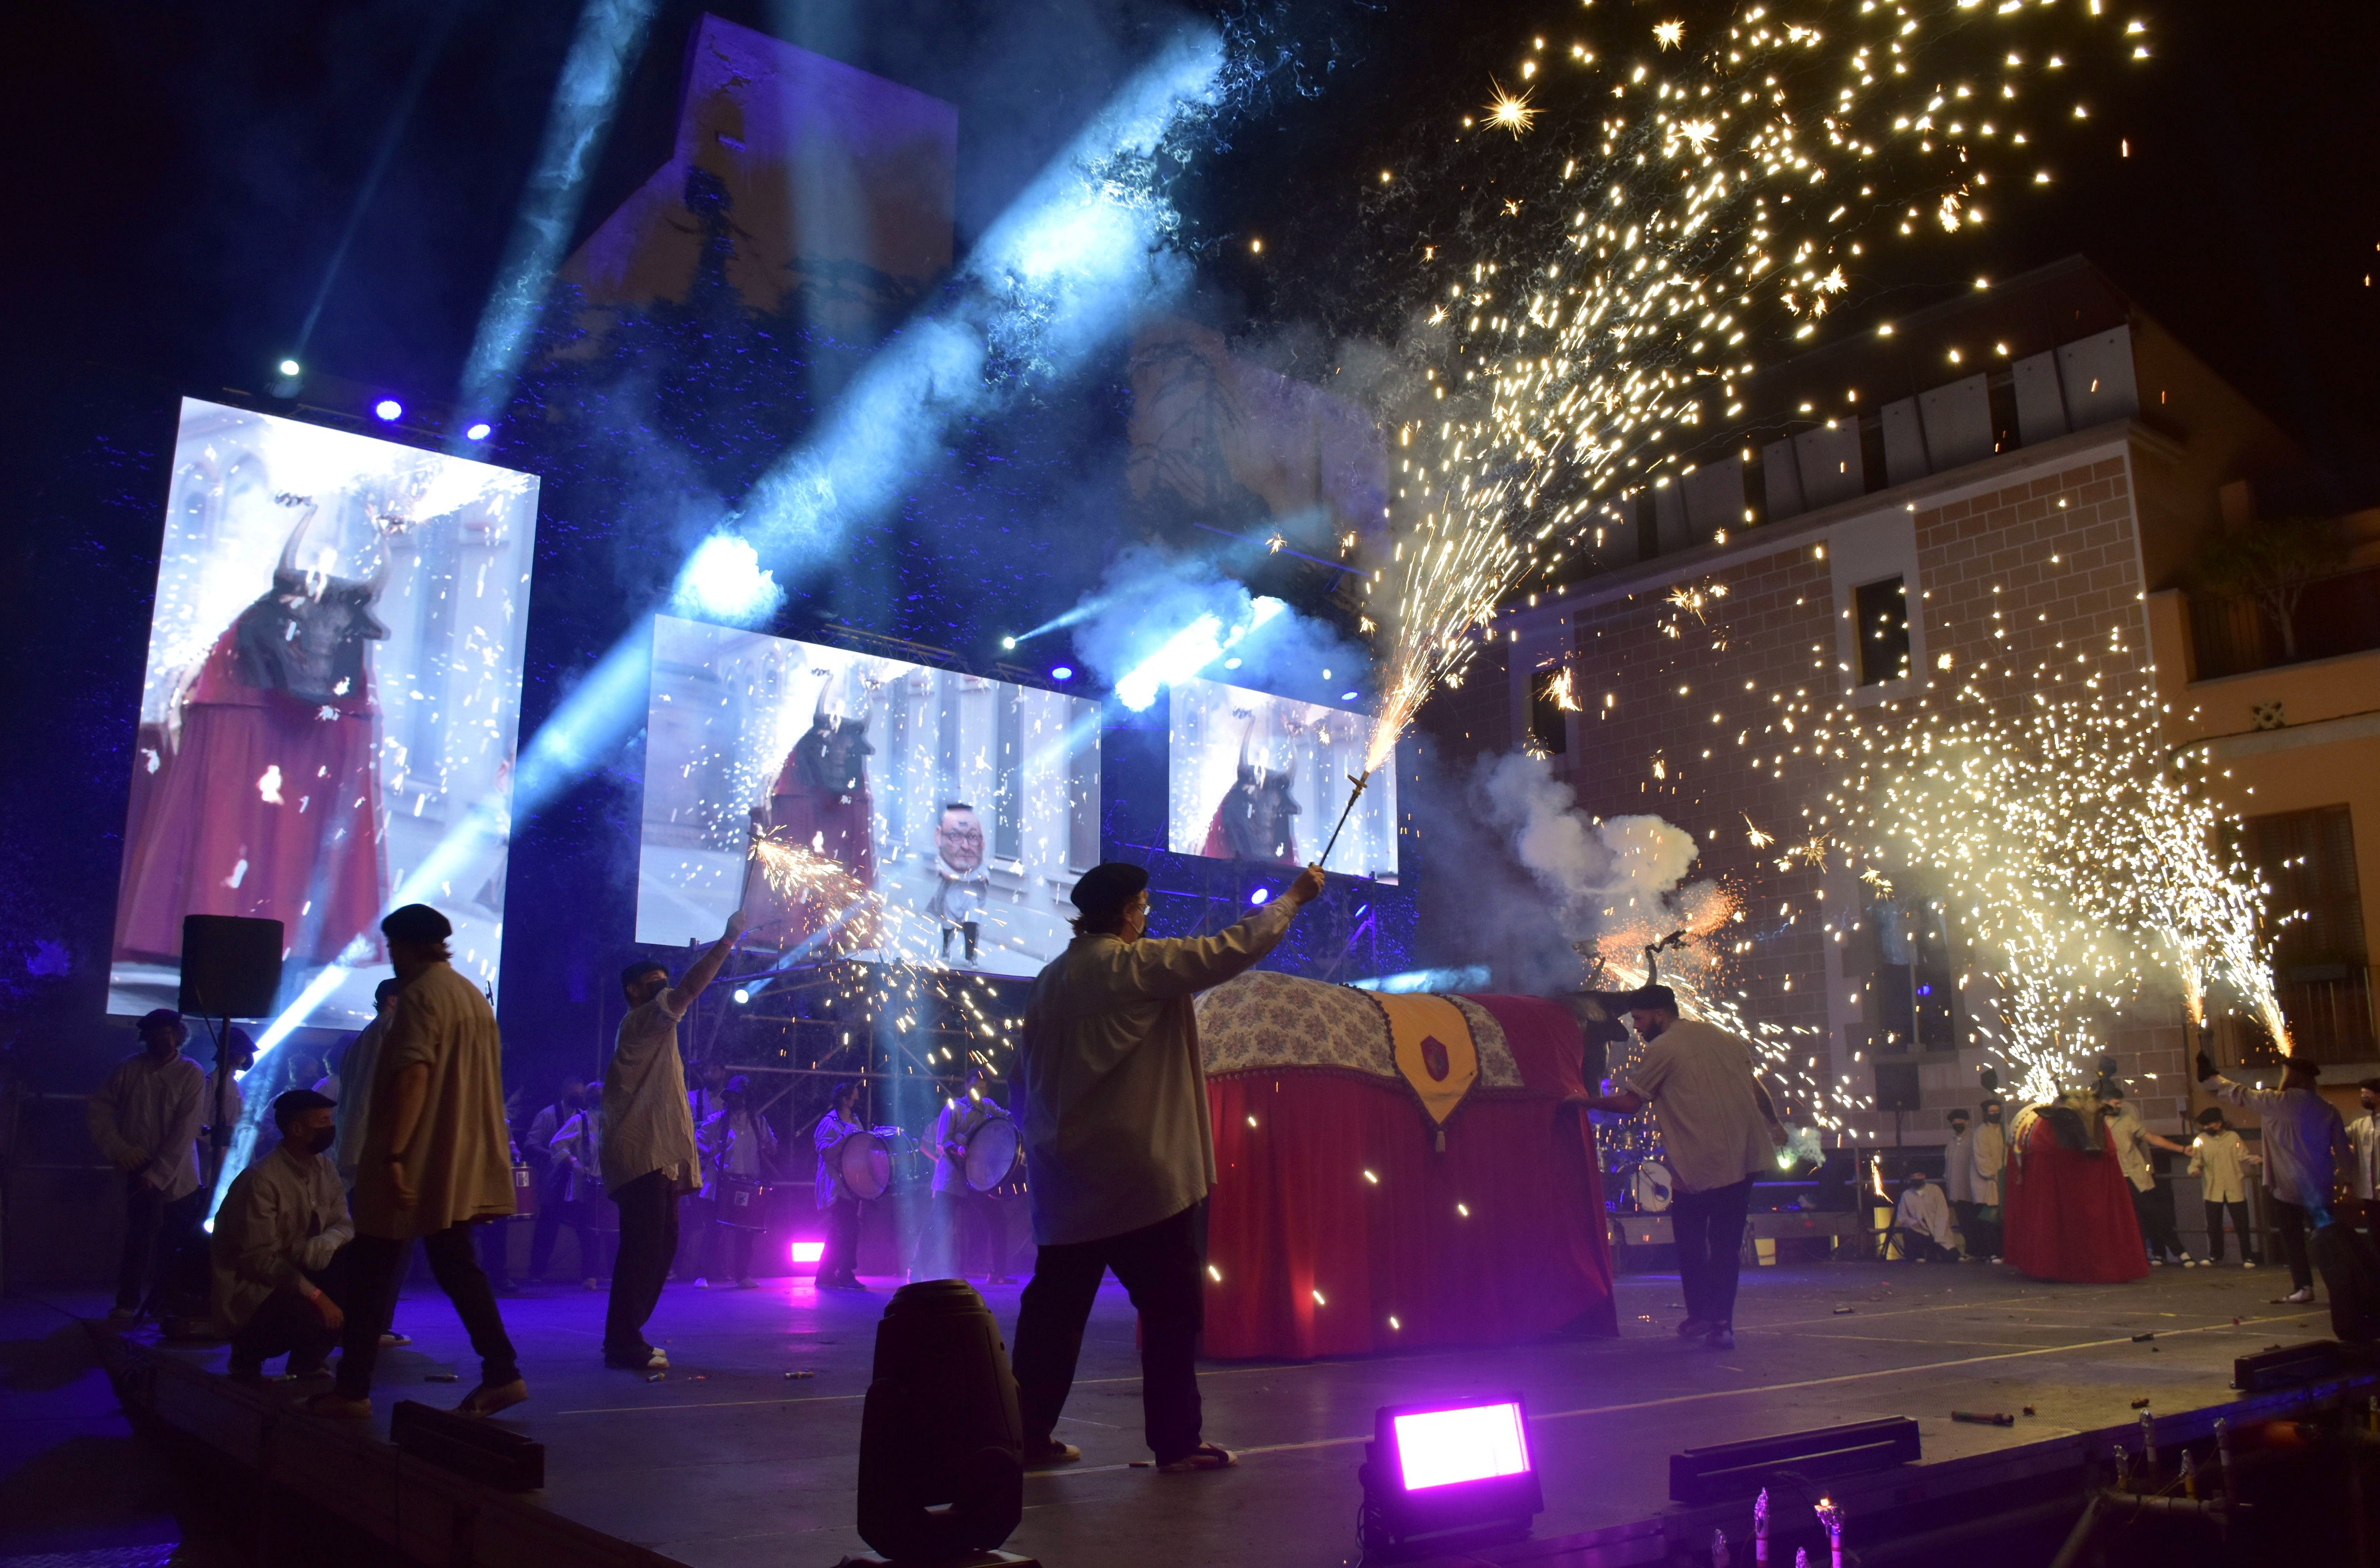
(410, 1141)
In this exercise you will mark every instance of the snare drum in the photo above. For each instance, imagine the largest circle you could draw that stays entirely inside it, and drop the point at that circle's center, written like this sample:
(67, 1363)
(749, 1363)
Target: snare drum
(865, 1161)
(1654, 1186)
(524, 1193)
(993, 1152)
(742, 1201)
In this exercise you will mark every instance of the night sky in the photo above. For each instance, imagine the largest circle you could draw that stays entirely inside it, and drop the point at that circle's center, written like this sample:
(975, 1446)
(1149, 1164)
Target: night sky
(180, 177)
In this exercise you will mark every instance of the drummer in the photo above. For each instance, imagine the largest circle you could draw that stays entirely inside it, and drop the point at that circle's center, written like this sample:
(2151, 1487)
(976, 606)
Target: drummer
(738, 1147)
(961, 1214)
(839, 1265)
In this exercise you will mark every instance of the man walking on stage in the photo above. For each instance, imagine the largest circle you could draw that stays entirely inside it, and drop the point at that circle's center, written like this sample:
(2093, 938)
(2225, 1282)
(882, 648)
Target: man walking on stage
(435, 1158)
(1119, 1154)
(649, 1152)
(1719, 1130)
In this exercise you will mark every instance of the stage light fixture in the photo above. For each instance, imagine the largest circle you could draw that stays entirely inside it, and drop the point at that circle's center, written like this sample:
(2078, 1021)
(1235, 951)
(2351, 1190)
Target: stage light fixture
(1061, 672)
(1231, 663)
(742, 996)
(478, 432)
(1259, 895)
(1349, 696)
(291, 369)
(806, 1252)
(1007, 642)
(389, 410)
(1438, 1476)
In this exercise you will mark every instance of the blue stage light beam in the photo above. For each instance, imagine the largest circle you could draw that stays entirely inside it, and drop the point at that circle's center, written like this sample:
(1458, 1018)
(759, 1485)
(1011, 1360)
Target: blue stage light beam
(1061, 271)
(1189, 650)
(610, 35)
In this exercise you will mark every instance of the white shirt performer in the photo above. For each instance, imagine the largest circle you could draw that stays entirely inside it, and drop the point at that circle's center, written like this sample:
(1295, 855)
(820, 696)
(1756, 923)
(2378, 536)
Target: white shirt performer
(2306, 1153)
(1922, 1212)
(2220, 1158)
(649, 1156)
(2133, 1141)
(436, 1157)
(2363, 1137)
(1719, 1130)
(145, 1119)
(353, 1095)
(1119, 1152)
(839, 1263)
(284, 1219)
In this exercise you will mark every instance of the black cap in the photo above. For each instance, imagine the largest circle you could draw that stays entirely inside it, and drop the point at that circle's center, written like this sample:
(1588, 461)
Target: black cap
(416, 923)
(2211, 1114)
(735, 1084)
(1649, 999)
(165, 1015)
(1107, 887)
(297, 1102)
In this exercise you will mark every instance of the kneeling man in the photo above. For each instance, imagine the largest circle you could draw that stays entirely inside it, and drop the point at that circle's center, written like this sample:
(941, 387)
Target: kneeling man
(282, 1223)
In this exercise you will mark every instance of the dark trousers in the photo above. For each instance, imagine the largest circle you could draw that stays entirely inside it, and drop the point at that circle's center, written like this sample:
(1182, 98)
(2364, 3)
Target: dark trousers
(156, 1233)
(2289, 1218)
(968, 1230)
(284, 1324)
(374, 1266)
(699, 1253)
(2156, 1224)
(554, 1211)
(648, 1246)
(734, 1243)
(2240, 1228)
(839, 1264)
(1709, 1231)
(1158, 1267)
(495, 1253)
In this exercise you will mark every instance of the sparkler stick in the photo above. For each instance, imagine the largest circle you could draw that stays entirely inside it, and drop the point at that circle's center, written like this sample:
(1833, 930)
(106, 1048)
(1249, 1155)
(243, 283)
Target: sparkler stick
(1359, 783)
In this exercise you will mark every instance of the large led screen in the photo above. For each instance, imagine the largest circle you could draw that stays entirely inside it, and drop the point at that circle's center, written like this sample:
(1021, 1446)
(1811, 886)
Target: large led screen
(334, 681)
(906, 813)
(1263, 779)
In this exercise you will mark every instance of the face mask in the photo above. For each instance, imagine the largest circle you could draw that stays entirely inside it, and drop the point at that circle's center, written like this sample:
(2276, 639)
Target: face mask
(319, 1141)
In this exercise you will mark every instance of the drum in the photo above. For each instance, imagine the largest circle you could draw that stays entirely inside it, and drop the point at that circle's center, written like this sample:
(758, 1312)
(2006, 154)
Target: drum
(742, 1201)
(865, 1161)
(524, 1193)
(1652, 1187)
(994, 1151)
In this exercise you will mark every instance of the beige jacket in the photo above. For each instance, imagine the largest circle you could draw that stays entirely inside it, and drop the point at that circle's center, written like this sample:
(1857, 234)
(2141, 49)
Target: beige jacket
(459, 1158)
(1114, 1114)
(280, 1220)
(151, 1112)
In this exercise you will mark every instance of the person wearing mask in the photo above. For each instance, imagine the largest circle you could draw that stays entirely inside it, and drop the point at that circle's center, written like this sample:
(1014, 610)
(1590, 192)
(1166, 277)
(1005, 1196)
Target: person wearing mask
(649, 1158)
(697, 1210)
(1958, 1179)
(2132, 1143)
(436, 1158)
(553, 1181)
(738, 1147)
(276, 1236)
(1989, 1149)
(1118, 1156)
(2220, 1158)
(839, 1264)
(145, 1119)
(577, 1151)
(1720, 1130)
(2306, 1153)
(2363, 1137)
(1923, 1217)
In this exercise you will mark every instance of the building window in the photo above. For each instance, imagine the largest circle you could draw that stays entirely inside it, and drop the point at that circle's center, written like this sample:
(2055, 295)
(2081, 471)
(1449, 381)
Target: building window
(1549, 700)
(2319, 967)
(1911, 989)
(1880, 610)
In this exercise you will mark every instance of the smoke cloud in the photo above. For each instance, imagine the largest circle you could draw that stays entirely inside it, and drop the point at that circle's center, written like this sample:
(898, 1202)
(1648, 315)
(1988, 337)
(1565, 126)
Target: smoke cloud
(1140, 628)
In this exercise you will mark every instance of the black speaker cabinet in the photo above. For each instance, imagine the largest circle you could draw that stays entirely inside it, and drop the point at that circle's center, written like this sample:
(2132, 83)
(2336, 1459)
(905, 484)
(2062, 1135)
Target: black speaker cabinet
(231, 966)
(1895, 1085)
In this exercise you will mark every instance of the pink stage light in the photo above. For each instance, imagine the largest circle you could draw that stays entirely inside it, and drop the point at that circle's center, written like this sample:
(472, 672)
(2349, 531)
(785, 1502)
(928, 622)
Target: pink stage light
(1441, 1448)
(808, 1251)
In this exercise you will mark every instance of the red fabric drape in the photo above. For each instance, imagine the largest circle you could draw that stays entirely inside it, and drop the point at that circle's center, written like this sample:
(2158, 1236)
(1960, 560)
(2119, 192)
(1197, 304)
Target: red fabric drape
(2069, 1215)
(1292, 1217)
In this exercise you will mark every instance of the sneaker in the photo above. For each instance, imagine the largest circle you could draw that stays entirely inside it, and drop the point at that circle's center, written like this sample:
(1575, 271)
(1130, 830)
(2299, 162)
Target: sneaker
(2157, 1263)
(343, 1409)
(748, 1283)
(1206, 1456)
(2297, 1297)
(654, 1359)
(1049, 1451)
(1693, 1328)
(701, 1284)
(489, 1398)
(2247, 1262)
(1721, 1338)
(392, 1340)
(124, 1315)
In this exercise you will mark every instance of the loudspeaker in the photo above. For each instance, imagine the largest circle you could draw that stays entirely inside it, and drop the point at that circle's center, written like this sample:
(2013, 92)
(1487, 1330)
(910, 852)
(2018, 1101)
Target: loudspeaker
(231, 966)
(1895, 1085)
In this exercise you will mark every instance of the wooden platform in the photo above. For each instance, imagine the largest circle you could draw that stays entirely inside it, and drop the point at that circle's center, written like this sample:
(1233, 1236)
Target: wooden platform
(735, 1459)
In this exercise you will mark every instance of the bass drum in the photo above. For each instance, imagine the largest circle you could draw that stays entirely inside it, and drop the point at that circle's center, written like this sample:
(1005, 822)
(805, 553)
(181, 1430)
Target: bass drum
(1652, 1187)
(994, 1152)
(866, 1164)
(525, 1194)
(742, 1201)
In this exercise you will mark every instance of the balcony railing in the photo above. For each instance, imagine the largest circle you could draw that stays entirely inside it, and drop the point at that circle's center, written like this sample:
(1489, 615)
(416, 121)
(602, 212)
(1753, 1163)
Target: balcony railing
(2335, 615)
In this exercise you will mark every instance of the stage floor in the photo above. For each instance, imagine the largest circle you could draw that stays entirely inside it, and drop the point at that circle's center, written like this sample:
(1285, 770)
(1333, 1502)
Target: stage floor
(728, 1462)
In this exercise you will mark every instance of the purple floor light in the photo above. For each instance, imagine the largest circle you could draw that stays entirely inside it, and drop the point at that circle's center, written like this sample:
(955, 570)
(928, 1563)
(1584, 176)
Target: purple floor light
(388, 410)
(1438, 1474)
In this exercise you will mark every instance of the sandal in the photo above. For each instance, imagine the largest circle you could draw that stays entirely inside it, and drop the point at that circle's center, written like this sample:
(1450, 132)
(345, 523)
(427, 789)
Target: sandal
(1206, 1456)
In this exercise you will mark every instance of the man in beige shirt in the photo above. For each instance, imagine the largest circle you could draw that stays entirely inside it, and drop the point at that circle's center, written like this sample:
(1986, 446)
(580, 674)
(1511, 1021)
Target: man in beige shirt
(2220, 1158)
(145, 1119)
(649, 1153)
(1118, 1151)
(436, 1157)
(1719, 1130)
(281, 1225)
